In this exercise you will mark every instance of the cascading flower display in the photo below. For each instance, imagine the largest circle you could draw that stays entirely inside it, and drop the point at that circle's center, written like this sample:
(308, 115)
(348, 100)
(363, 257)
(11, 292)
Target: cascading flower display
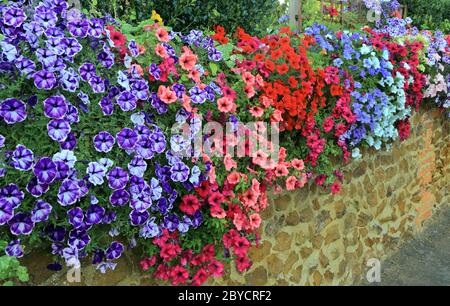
(100, 126)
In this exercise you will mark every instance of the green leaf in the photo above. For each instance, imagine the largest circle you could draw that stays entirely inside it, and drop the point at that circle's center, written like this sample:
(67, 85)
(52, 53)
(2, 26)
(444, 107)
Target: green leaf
(213, 68)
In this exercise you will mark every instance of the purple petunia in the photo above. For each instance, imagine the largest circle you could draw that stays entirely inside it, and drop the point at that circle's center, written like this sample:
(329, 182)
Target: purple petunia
(25, 66)
(45, 170)
(96, 27)
(14, 249)
(70, 143)
(11, 195)
(22, 158)
(127, 101)
(44, 80)
(119, 197)
(107, 106)
(6, 213)
(76, 217)
(137, 166)
(140, 90)
(117, 178)
(55, 107)
(68, 192)
(72, 46)
(114, 251)
(58, 129)
(79, 239)
(179, 172)
(138, 218)
(127, 138)
(14, 17)
(21, 224)
(13, 111)
(41, 211)
(87, 71)
(104, 142)
(35, 188)
(78, 27)
(97, 84)
(94, 214)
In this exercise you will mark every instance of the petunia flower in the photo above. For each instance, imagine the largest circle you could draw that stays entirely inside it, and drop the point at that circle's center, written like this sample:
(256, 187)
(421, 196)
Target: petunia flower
(14, 17)
(127, 101)
(11, 195)
(55, 107)
(78, 27)
(22, 158)
(41, 211)
(117, 178)
(69, 143)
(107, 106)
(76, 217)
(58, 129)
(6, 213)
(137, 166)
(96, 27)
(44, 80)
(79, 239)
(114, 251)
(94, 214)
(96, 173)
(45, 170)
(97, 84)
(35, 188)
(138, 218)
(25, 66)
(127, 138)
(72, 46)
(119, 197)
(14, 249)
(21, 224)
(179, 172)
(68, 192)
(13, 111)
(140, 90)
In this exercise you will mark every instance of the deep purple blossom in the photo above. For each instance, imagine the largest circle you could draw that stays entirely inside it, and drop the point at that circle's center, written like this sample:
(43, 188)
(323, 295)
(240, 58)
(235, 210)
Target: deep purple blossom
(72, 114)
(45, 170)
(14, 249)
(13, 111)
(104, 142)
(127, 138)
(87, 71)
(14, 17)
(72, 46)
(96, 27)
(127, 101)
(6, 213)
(78, 27)
(79, 238)
(41, 211)
(137, 166)
(21, 224)
(58, 129)
(12, 195)
(70, 143)
(107, 106)
(138, 218)
(22, 158)
(179, 172)
(117, 178)
(35, 188)
(44, 80)
(76, 217)
(94, 214)
(114, 251)
(55, 107)
(25, 66)
(97, 84)
(119, 197)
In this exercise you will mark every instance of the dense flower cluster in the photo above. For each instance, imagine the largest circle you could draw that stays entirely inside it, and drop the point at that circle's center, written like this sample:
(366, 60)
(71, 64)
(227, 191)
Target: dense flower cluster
(98, 126)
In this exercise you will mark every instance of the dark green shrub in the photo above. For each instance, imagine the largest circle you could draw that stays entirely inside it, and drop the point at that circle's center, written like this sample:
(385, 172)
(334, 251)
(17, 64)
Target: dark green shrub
(429, 15)
(255, 16)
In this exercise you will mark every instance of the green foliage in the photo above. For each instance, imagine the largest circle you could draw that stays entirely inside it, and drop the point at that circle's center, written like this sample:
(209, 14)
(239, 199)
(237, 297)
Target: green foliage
(10, 269)
(255, 16)
(429, 15)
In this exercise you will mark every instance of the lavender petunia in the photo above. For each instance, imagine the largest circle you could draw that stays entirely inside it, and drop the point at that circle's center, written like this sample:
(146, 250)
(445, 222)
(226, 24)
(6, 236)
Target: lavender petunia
(55, 107)
(41, 211)
(22, 158)
(68, 192)
(127, 101)
(13, 111)
(2, 141)
(58, 129)
(21, 224)
(72, 114)
(14, 17)
(35, 188)
(45, 170)
(76, 217)
(114, 251)
(127, 138)
(119, 197)
(104, 142)
(44, 80)
(117, 178)
(14, 249)
(94, 214)
(96, 173)
(137, 166)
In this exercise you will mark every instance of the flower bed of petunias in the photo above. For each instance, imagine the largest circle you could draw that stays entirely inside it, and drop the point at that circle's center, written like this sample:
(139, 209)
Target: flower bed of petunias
(101, 125)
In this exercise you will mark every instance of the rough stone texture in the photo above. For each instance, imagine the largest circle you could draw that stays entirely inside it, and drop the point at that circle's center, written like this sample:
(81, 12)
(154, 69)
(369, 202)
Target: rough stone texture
(311, 237)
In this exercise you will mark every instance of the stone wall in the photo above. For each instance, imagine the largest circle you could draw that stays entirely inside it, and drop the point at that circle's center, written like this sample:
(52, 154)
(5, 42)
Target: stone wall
(314, 238)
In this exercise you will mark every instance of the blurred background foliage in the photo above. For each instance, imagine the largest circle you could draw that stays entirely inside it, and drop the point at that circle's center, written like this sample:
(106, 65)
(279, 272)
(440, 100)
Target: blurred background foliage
(255, 16)
(429, 14)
